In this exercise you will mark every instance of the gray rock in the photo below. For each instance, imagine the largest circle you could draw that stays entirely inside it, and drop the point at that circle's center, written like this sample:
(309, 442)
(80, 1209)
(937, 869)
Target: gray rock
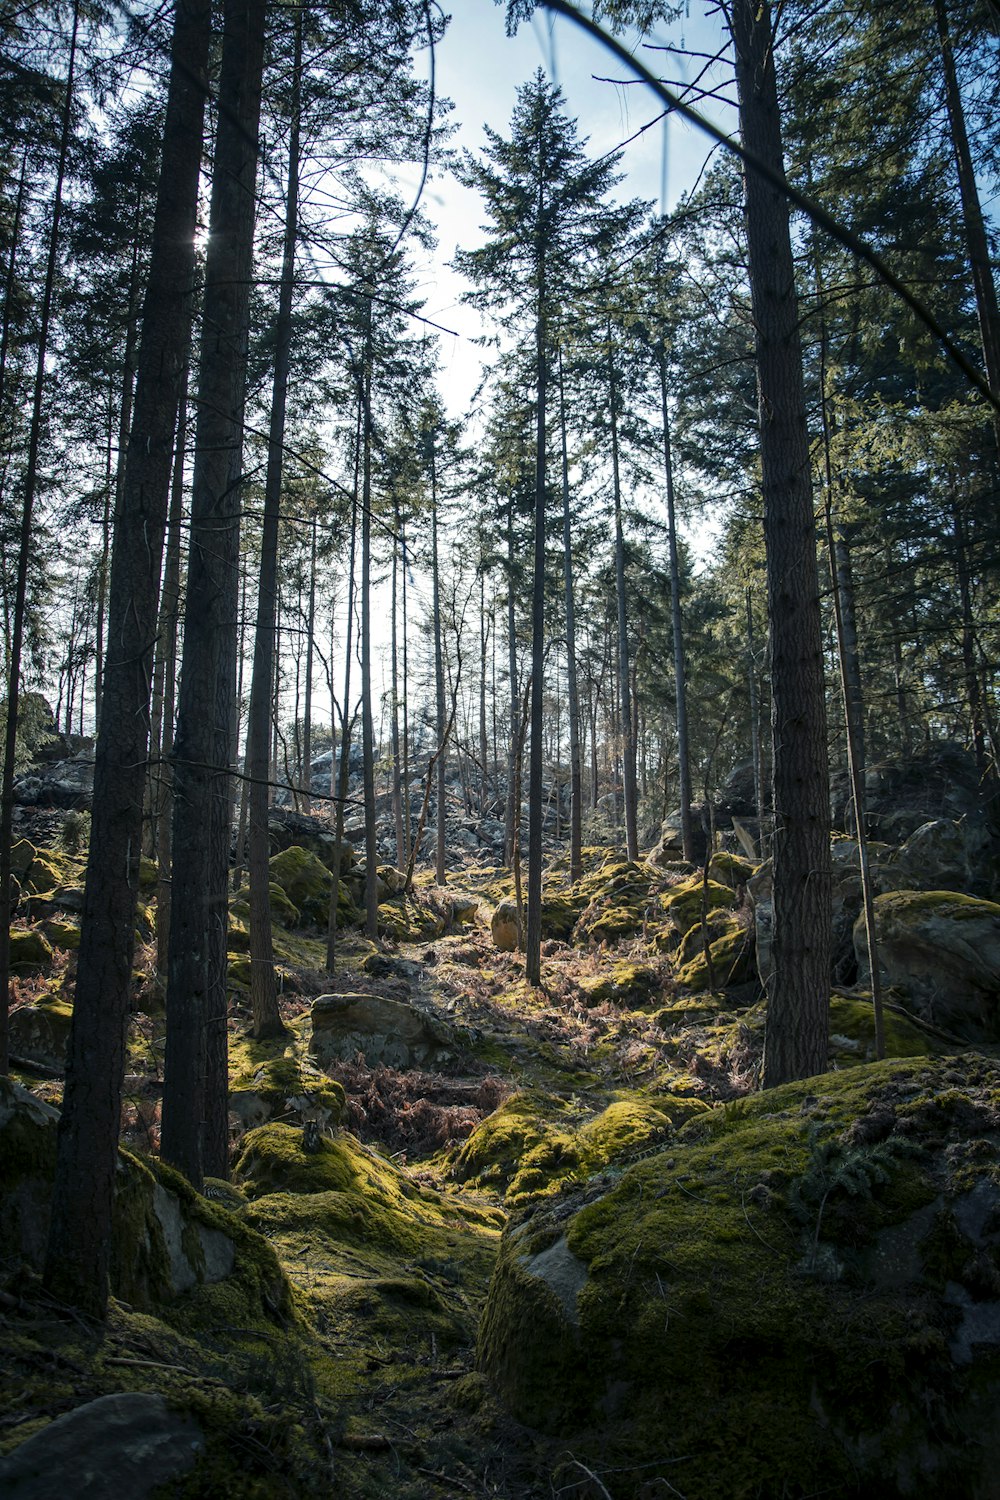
(39, 1033)
(380, 1029)
(562, 1272)
(942, 950)
(119, 1447)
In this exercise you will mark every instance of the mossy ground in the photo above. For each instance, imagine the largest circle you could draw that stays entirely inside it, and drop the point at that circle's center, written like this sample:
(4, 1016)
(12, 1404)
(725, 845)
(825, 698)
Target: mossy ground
(366, 1382)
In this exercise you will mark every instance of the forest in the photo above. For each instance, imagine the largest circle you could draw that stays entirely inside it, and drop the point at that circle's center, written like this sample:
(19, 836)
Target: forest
(499, 872)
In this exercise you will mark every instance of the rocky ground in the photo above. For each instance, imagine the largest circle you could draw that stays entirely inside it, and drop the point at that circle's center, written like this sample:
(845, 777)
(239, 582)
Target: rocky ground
(483, 1239)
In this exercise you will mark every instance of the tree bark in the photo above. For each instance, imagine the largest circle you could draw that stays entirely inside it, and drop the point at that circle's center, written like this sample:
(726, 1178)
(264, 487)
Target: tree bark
(533, 920)
(263, 986)
(629, 788)
(441, 769)
(202, 746)
(799, 989)
(677, 625)
(167, 636)
(80, 1233)
(572, 684)
(367, 722)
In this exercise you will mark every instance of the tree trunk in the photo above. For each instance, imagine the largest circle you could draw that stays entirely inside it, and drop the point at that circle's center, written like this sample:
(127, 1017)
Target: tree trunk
(441, 770)
(572, 684)
(397, 774)
(263, 986)
(799, 989)
(629, 788)
(512, 811)
(167, 636)
(202, 745)
(533, 921)
(367, 724)
(307, 704)
(677, 626)
(80, 1234)
(343, 767)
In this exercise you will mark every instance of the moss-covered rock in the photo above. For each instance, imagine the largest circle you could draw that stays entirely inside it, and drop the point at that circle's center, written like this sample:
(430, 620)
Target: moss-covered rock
(29, 949)
(282, 1086)
(684, 902)
(39, 1034)
(382, 1030)
(852, 1031)
(306, 882)
(728, 961)
(62, 934)
(413, 917)
(618, 903)
(168, 1242)
(536, 1146)
(729, 869)
(772, 1306)
(626, 983)
(942, 950)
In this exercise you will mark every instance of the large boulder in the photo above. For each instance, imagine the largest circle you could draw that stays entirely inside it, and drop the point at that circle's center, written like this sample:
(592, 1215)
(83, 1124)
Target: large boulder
(941, 781)
(504, 927)
(669, 849)
(775, 1303)
(39, 1034)
(380, 1029)
(167, 1240)
(286, 829)
(126, 1444)
(942, 950)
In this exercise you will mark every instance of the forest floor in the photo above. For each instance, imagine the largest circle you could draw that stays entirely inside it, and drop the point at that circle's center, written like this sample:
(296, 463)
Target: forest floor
(373, 1390)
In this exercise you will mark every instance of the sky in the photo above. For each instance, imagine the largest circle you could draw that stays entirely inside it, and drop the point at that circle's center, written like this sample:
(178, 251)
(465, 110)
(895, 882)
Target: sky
(480, 68)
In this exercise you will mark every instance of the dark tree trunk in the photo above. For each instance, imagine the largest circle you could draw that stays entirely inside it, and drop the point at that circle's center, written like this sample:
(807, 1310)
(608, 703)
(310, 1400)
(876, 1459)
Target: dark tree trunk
(397, 770)
(512, 810)
(343, 767)
(629, 788)
(80, 1234)
(572, 684)
(202, 746)
(441, 770)
(307, 691)
(367, 722)
(799, 989)
(167, 635)
(533, 919)
(677, 625)
(263, 985)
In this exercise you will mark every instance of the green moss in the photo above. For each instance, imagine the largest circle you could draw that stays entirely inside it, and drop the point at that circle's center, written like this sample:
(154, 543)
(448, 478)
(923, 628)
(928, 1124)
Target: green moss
(410, 918)
(149, 873)
(29, 949)
(628, 983)
(680, 1327)
(729, 869)
(618, 901)
(852, 1031)
(732, 961)
(62, 934)
(683, 903)
(953, 905)
(535, 1146)
(305, 881)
